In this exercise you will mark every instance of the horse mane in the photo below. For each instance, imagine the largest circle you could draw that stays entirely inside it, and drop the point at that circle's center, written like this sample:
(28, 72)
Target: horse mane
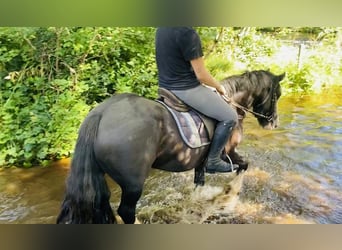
(249, 81)
(250, 87)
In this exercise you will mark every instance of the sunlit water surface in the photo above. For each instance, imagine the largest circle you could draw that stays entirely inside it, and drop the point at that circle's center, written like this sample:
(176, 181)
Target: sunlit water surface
(295, 176)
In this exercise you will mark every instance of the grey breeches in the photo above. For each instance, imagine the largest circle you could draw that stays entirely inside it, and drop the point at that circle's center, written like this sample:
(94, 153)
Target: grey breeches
(207, 102)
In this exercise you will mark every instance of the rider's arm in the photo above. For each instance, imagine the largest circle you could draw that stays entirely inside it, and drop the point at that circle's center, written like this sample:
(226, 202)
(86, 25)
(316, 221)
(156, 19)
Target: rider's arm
(204, 76)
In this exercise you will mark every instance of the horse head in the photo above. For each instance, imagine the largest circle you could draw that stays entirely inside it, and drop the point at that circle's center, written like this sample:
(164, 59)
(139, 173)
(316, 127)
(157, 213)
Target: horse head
(256, 92)
(265, 103)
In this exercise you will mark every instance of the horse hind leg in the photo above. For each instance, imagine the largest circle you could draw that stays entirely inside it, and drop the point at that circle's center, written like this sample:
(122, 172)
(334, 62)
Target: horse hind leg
(129, 198)
(199, 177)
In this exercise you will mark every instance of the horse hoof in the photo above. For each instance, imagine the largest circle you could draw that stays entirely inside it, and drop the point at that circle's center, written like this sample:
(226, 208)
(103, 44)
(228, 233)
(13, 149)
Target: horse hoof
(242, 167)
(200, 184)
(236, 167)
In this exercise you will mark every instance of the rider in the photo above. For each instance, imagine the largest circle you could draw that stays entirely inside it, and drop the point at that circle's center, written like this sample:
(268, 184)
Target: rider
(181, 70)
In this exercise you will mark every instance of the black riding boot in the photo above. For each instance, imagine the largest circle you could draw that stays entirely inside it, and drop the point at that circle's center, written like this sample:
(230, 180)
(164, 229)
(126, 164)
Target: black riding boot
(221, 135)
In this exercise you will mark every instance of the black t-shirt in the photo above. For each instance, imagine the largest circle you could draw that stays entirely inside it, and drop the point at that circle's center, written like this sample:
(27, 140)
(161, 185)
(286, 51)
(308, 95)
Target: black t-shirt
(175, 48)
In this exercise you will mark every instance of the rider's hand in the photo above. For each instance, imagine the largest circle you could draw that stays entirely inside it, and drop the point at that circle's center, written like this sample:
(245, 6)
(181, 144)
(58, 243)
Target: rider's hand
(221, 90)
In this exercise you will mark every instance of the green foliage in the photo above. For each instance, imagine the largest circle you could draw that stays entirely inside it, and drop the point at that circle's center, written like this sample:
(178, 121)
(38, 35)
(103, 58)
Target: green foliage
(219, 66)
(297, 79)
(40, 127)
(319, 67)
(311, 57)
(51, 77)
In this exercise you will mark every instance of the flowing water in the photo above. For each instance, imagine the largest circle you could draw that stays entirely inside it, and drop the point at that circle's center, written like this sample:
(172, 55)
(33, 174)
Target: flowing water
(295, 176)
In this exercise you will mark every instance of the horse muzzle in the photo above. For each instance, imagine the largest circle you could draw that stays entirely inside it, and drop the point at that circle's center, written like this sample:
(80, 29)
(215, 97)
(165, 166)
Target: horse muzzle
(272, 124)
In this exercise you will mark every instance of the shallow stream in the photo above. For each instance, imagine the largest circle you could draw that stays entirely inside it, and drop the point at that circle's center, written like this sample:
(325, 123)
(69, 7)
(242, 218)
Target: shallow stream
(295, 176)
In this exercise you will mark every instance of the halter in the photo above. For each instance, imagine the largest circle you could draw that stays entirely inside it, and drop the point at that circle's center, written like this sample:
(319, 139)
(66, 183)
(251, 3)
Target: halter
(269, 118)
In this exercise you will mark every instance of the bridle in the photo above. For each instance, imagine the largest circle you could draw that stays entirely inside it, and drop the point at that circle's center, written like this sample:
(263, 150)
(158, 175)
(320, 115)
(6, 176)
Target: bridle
(268, 117)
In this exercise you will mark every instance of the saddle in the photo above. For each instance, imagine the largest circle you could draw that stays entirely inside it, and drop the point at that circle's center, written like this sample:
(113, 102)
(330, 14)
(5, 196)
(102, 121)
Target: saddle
(195, 129)
(172, 101)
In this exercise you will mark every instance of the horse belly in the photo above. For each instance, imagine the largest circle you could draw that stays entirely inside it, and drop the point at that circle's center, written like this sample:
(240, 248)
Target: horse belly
(180, 159)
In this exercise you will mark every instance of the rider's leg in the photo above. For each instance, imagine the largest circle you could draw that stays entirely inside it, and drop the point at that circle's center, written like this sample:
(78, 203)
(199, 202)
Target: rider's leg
(221, 135)
(212, 105)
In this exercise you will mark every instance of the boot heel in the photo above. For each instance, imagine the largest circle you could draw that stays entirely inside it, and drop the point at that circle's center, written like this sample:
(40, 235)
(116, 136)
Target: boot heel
(210, 171)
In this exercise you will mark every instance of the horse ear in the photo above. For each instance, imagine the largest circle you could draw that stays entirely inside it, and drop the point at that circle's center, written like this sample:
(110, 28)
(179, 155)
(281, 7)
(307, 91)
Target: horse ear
(281, 77)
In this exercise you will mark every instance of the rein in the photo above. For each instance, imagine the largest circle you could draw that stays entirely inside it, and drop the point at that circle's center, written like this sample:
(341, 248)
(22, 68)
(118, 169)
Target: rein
(246, 110)
(269, 118)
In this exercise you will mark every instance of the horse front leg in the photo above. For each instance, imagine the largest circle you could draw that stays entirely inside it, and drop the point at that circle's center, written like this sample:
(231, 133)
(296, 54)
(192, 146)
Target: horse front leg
(237, 159)
(199, 179)
(230, 150)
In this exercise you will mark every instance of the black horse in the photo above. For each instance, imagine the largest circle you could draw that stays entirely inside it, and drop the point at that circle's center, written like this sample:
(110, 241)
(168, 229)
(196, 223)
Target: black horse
(127, 135)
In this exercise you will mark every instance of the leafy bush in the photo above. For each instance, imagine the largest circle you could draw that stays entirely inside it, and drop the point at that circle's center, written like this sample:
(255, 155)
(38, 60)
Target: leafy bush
(51, 77)
(319, 67)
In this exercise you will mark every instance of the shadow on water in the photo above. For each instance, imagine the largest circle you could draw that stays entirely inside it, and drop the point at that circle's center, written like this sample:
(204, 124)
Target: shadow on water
(295, 176)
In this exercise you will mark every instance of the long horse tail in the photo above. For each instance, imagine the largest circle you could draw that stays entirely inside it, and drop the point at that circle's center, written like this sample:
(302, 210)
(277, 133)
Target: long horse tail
(87, 194)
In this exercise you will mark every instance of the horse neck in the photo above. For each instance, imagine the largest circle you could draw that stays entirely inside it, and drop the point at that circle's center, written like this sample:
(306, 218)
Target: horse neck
(241, 90)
